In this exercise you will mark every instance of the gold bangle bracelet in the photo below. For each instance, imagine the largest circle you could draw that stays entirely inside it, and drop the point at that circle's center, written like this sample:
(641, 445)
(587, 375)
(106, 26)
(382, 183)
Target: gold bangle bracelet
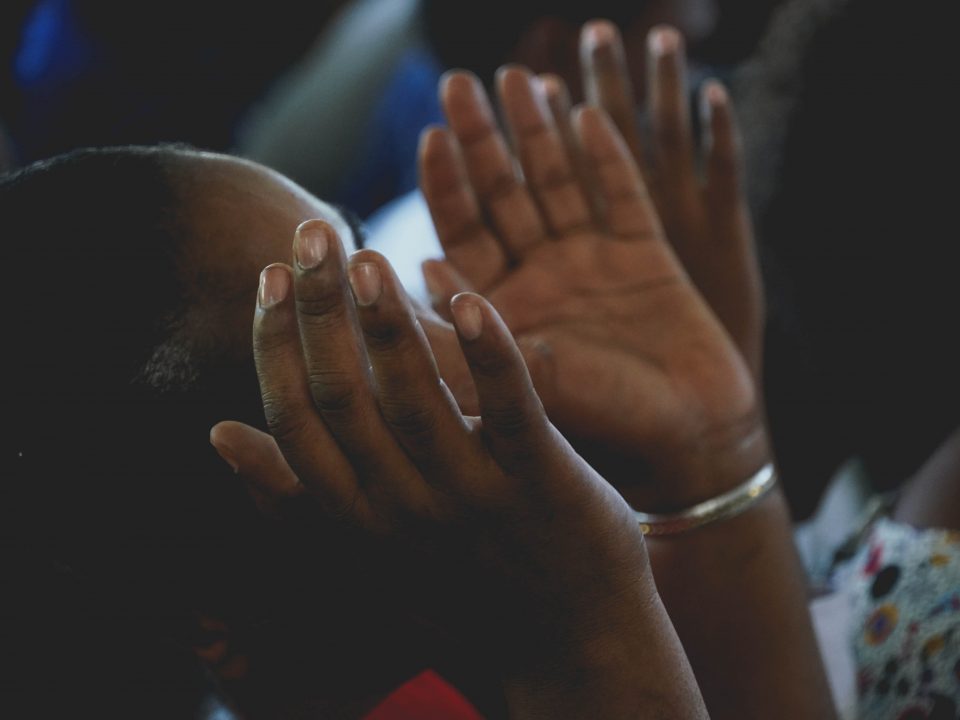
(728, 505)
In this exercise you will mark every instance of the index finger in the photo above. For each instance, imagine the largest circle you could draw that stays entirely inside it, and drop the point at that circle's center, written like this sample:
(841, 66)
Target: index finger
(467, 242)
(489, 165)
(543, 154)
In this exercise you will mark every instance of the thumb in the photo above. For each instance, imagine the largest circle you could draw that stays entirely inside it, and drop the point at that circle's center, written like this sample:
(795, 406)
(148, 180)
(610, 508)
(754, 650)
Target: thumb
(255, 457)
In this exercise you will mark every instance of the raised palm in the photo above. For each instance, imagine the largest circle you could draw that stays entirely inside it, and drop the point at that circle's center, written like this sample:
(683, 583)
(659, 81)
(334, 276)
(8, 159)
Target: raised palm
(627, 357)
(698, 194)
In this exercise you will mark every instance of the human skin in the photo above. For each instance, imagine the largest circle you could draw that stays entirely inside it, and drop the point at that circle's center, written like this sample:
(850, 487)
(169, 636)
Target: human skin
(753, 591)
(698, 195)
(577, 291)
(351, 393)
(239, 211)
(670, 415)
(241, 216)
(746, 567)
(931, 498)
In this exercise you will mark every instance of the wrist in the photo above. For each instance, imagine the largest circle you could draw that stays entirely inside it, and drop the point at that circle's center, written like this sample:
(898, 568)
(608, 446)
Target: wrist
(719, 508)
(750, 537)
(704, 467)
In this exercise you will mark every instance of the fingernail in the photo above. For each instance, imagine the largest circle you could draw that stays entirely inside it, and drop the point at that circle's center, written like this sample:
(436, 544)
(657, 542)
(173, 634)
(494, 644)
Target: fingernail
(468, 319)
(598, 34)
(366, 282)
(274, 286)
(226, 453)
(549, 86)
(311, 245)
(716, 94)
(664, 41)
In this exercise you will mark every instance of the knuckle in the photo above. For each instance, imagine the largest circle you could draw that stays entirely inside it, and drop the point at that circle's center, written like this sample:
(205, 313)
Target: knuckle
(271, 339)
(287, 426)
(334, 393)
(412, 417)
(269, 345)
(342, 509)
(387, 336)
(496, 365)
(323, 309)
(510, 420)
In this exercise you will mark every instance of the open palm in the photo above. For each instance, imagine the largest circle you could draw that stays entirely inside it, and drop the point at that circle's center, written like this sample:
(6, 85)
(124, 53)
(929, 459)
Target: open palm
(627, 357)
(697, 191)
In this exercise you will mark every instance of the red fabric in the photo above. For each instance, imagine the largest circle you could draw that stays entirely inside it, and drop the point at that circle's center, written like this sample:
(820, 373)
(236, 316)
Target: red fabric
(426, 697)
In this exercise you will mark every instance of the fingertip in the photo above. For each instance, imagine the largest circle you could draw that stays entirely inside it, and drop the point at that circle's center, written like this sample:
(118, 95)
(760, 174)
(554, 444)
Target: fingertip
(222, 428)
(312, 242)
(219, 435)
(315, 225)
(597, 34)
(436, 143)
(366, 281)
(234, 441)
(512, 77)
(467, 311)
(664, 40)
(510, 72)
(552, 85)
(275, 283)
(430, 136)
(255, 456)
(722, 139)
(449, 77)
(459, 81)
(715, 93)
(368, 255)
(371, 275)
(465, 102)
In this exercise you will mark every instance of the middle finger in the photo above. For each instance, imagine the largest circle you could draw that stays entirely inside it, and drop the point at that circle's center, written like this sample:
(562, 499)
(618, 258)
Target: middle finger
(546, 164)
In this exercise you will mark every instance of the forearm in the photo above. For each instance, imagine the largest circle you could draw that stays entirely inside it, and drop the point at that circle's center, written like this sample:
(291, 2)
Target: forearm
(737, 596)
(629, 663)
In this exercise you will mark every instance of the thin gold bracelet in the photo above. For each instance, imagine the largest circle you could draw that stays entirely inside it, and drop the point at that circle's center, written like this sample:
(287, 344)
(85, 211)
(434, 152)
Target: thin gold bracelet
(728, 505)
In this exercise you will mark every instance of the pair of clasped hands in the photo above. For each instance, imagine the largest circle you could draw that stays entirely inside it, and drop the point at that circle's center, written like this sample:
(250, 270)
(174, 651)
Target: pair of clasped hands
(599, 309)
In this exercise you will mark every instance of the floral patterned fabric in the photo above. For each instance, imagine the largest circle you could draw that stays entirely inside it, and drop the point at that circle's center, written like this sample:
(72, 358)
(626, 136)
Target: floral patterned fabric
(905, 594)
